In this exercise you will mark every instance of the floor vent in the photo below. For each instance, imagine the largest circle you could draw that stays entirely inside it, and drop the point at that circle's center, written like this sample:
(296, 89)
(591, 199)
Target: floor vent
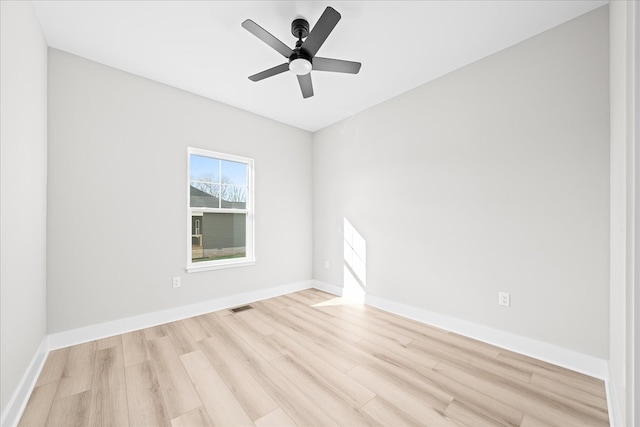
(239, 309)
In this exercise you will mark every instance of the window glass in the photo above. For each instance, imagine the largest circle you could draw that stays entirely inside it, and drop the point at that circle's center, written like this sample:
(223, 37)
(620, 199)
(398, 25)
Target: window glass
(221, 236)
(234, 173)
(220, 210)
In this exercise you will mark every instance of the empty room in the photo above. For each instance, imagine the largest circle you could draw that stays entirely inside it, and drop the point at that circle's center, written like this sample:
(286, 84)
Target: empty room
(300, 213)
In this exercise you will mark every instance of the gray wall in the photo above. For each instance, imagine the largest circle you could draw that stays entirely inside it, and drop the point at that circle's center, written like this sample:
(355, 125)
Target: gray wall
(23, 203)
(492, 178)
(118, 148)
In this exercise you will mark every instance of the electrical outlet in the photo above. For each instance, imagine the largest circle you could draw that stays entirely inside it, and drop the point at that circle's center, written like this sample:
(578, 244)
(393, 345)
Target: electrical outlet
(176, 282)
(326, 265)
(504, 298)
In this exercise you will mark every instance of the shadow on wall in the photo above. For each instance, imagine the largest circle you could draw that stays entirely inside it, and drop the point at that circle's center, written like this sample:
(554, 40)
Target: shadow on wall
(355, 264)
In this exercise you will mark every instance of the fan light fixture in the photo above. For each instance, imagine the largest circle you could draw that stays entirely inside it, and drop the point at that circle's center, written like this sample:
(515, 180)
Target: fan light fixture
(300, 66)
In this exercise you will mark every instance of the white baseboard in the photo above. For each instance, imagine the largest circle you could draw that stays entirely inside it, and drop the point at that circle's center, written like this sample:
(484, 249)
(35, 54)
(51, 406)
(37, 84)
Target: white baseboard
(570, 359)
(556, 355)
(12, 413)
(121, 326)
(550, 353)
(328, 288)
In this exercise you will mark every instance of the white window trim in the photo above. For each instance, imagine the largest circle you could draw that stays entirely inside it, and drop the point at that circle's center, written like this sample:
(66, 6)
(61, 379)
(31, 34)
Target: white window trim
(250, 258)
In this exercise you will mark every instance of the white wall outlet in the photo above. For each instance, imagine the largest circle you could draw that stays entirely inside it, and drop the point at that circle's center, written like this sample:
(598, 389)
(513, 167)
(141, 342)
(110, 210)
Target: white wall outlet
(326, 265)
(504, 298)
(176, 282)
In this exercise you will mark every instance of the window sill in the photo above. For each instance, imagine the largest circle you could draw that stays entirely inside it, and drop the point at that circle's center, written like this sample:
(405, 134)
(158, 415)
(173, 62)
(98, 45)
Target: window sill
(195, 268)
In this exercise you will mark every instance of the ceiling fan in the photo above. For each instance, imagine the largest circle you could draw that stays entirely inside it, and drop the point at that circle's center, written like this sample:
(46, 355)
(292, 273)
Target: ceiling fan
(302, 59)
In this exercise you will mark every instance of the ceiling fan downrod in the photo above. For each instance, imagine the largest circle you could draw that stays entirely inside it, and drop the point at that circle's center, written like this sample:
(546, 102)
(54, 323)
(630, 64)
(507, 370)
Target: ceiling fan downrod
(300, 61)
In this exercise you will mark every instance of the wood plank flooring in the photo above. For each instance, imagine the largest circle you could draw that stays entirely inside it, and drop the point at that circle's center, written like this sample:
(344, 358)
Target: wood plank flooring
(305, 359)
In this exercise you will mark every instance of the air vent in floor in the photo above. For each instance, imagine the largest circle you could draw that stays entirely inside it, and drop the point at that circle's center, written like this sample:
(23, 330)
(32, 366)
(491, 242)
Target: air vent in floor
(242, 308)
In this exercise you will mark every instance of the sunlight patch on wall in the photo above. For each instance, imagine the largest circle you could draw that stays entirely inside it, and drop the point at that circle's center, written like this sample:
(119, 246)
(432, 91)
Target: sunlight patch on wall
(355, 264)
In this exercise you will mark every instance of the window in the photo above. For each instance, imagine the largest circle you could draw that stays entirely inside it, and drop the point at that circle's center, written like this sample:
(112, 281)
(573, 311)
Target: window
(220, 211)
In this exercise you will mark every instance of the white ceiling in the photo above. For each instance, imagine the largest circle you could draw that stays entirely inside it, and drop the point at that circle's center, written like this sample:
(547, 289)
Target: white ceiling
(199, 46)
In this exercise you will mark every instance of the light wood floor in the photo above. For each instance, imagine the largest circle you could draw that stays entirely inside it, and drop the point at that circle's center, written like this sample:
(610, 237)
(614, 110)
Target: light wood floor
(305, 359)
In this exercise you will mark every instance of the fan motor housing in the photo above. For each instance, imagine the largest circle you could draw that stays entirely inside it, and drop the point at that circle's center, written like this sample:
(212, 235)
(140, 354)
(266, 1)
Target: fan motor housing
(300, 28)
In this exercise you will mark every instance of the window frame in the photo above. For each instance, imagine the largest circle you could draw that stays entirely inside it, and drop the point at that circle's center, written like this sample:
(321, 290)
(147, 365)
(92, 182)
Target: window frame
(249, 211)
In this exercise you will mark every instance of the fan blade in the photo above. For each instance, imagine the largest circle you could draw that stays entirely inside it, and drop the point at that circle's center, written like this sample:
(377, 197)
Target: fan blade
(267, 37)
(336, 65)
(270, 72)
(321, 30)
(305, 85)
